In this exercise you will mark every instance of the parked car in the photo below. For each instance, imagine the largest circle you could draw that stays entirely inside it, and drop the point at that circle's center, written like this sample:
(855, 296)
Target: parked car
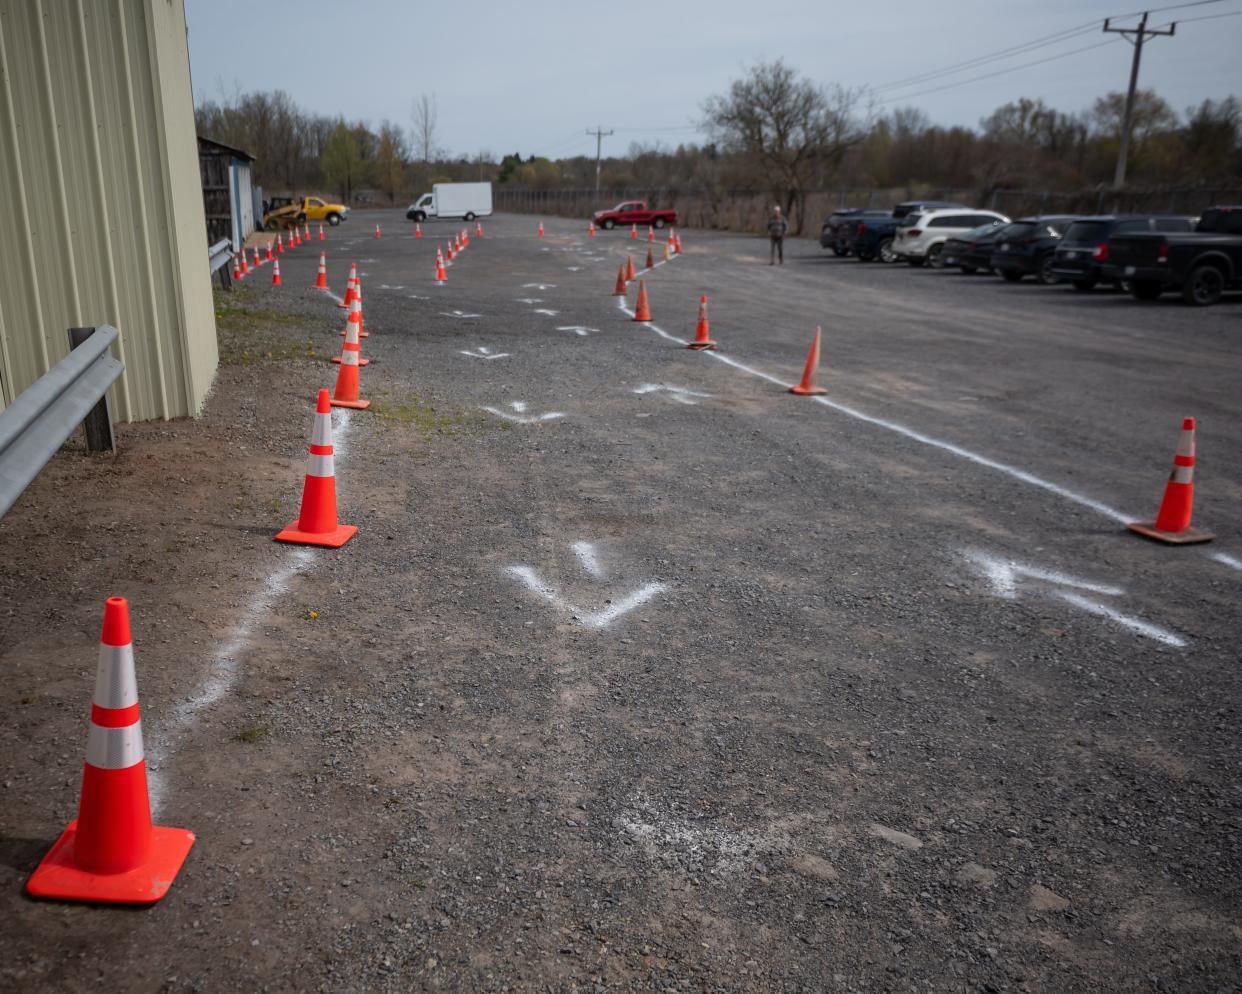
(972, 250)
(910, 206)
(873, 239)
(1083, 249)
(634, 212)
(838, 230)
(1028, 247)
(1201, 264)
(921, 235)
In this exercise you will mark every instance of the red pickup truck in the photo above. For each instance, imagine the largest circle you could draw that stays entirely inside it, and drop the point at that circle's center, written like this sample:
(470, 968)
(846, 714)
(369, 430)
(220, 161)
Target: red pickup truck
(634, 212)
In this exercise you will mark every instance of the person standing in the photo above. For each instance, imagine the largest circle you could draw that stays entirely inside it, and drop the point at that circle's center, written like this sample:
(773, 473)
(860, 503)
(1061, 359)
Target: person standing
(777, 226)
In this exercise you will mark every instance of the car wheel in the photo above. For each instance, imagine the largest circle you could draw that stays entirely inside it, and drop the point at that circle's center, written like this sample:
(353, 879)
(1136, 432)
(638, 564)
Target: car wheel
(935, 256)
(838, 251)
(302, 218)
(468, 216)
(969, 270)
(1145, 289)
(1204, 286)
(658, 223)
(884, 251)
(608, 224)
(334, 219)
(1012, 275)
(1044, 273)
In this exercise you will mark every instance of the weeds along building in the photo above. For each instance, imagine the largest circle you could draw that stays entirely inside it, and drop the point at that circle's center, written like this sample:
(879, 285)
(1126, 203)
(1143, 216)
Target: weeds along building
(99, 178)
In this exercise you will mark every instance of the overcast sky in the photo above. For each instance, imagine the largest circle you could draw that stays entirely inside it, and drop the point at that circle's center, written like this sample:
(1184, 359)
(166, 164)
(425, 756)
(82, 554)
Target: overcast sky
(531, 77)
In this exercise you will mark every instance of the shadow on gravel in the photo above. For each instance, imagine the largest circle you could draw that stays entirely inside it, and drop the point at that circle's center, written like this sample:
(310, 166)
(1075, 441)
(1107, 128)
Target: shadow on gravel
(23, 854)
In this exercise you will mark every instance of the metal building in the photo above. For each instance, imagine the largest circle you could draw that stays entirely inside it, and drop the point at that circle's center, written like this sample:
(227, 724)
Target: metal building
(228, 198)
(99, 178)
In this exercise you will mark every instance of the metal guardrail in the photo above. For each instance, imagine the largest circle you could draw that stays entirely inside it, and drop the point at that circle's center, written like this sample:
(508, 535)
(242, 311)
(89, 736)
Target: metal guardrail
(35, 425)
(220, 254)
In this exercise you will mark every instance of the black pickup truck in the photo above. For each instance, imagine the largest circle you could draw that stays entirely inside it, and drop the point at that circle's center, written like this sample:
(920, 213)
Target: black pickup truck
(1200, 264)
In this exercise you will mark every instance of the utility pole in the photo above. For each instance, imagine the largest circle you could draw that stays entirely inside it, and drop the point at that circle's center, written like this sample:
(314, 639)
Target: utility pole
(1136, 37)
(599, 134)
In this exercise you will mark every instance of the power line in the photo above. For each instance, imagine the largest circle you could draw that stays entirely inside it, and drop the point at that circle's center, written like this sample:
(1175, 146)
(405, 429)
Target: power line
(1135, 36)
(999, 72)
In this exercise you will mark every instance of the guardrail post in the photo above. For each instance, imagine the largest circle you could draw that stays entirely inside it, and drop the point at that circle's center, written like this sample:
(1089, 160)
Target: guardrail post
(98, 423)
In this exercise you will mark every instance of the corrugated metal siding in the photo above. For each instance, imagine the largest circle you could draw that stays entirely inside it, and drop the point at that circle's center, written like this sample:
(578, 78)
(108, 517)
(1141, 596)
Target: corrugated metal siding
(99, 167)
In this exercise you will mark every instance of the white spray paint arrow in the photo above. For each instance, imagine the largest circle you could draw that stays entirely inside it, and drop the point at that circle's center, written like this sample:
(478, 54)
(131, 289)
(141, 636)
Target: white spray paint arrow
(459, 314)
(614, 607)
(538, 286)
(578, 329)
(529, 300)
(545, 311)
(1004, 576)
(683, 395)
(519, 414)
(483, 352)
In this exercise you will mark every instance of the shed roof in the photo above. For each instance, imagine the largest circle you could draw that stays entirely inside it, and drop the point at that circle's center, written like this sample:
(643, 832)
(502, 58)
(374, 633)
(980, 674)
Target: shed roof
(237, 153)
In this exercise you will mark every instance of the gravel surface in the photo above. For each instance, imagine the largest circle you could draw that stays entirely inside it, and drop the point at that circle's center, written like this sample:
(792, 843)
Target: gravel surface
(695, 686)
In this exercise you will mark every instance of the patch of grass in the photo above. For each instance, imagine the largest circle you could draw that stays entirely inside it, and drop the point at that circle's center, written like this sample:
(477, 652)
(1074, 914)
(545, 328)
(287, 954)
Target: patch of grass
(248, 333)
(423, 417)
(251, 734)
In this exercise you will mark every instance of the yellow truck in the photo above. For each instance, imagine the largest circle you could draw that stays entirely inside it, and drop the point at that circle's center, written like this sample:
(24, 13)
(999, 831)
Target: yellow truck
(285, 212)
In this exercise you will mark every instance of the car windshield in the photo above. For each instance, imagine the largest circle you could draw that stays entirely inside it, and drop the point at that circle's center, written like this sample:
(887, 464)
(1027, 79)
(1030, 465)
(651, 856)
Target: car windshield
(910, 220)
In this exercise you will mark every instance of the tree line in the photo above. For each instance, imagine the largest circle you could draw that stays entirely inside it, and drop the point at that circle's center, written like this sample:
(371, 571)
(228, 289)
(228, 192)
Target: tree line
(774, 132)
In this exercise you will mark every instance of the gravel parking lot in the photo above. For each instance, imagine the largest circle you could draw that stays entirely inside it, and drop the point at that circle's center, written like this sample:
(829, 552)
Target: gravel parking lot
(643, 674)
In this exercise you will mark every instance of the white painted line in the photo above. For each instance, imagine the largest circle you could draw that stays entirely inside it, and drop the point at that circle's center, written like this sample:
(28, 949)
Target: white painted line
(223, 669)
(519, 407)
(589, 558)
(574, 269)
(1003, 575)
(1227, 560)
(1162, 635)
(459, 314)
(538, 286)
(546, 312)
(577, 329)
(529, 300)
(482, 352)
(598, 619)
(339, 300)
(683, 395)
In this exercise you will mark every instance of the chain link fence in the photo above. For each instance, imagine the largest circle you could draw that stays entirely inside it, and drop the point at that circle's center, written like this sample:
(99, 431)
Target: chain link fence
(747, 210)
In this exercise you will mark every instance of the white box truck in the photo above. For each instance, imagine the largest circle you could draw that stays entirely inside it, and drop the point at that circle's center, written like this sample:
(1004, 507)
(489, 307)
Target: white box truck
(453, 200)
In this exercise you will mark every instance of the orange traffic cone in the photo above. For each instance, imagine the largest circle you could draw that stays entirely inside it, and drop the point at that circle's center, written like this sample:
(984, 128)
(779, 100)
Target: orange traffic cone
(276, 274)
(1172, 523)
(672, 238)
(650, 259)
(240, 269)
(702, 331)
(677, 246)
(478, 229)
(321, 281)
(650, 233)
(441, 275)
(590, 229)
(257, 261)
(807, 387)
(642, 308)
(306, 235)
(377, 231)
(540, 229)
(321, 233)
(237, 273)
(353, 329)
(621, 281)
(355, 317)
(317, 522)
(633, 230)
(448, 252)
(295, 238)
(270, 257)
(280, 245)
(668, 252)
(629, 269)
(112, 853)
(350, 285)
(418, 230)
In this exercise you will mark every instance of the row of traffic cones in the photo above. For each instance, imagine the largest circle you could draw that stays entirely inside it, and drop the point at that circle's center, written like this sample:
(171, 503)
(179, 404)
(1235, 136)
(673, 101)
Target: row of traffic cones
(275, 246)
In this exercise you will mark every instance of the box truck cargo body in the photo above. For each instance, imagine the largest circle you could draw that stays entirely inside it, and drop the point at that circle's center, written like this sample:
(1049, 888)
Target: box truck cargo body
(464, 201)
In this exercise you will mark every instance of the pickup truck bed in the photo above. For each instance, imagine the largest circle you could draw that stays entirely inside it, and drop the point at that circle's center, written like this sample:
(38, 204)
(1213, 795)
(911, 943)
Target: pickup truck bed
(1202, 265)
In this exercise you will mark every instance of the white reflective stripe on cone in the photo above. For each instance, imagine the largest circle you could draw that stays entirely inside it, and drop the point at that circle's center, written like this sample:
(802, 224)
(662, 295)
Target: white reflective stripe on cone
(1182, 474)
(351, 333)
(321, 434)
(1186, 444)
(115, 685)
(349, 357)
(114, 748)
(320, 465)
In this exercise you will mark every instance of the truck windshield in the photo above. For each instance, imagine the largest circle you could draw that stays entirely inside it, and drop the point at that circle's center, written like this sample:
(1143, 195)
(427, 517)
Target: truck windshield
(426, 201)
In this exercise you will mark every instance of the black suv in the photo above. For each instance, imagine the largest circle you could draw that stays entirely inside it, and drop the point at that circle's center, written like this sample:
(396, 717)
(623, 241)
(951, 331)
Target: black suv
(840, 225)
(1083, 250)
(1026, 247)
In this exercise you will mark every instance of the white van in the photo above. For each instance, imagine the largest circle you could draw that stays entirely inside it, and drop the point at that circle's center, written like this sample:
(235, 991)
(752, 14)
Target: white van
(451, 201)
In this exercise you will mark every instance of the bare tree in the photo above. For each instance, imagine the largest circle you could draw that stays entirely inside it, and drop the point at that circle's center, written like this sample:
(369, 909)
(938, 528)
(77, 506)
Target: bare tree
(424, 112)
(794, 130)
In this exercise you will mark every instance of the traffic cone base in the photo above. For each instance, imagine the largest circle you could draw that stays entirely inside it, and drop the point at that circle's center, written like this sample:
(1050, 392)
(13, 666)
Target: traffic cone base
(706, 346)
(1187, 536)
(620, 288)
(58, 877)
(331, 539)
(361, 362)
(357, 405)
(642, 307)
(811, 391)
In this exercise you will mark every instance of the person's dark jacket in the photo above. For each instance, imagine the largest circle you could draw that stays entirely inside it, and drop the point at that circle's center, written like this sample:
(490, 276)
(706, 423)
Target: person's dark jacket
(777, 226)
